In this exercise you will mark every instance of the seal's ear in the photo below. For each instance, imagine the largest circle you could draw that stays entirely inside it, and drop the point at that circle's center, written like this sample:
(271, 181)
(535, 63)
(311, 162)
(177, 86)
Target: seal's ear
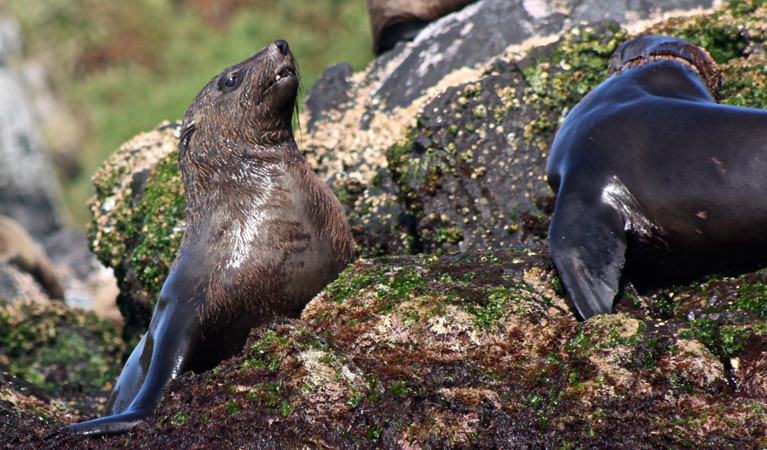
(186, 135)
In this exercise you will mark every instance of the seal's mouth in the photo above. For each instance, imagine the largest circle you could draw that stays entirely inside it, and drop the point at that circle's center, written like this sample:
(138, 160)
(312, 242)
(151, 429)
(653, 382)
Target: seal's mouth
(285, 73)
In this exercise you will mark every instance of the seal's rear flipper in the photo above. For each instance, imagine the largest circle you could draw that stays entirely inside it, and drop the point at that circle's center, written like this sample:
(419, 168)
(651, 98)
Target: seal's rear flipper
(588, 245)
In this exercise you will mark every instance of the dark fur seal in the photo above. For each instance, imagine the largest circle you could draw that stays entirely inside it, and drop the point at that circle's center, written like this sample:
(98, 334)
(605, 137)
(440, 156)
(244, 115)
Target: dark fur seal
(652, 174)
(264, 233)
(400, 20)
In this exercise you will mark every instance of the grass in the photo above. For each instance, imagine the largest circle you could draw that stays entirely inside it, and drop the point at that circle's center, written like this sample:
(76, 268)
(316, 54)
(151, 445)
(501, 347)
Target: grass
(127, 65)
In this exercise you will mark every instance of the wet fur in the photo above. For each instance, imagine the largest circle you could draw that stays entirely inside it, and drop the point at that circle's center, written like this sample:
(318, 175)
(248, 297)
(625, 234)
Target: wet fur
(656, 182)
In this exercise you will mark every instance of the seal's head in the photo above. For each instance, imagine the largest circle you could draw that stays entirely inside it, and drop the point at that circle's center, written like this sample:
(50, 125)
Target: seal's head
(646, 49)
(258, 94)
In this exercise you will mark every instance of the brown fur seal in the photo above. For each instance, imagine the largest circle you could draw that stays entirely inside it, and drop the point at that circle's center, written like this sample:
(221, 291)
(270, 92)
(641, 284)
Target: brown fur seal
(400, 20)
(651, 173)
(264, 233)
(18, 248)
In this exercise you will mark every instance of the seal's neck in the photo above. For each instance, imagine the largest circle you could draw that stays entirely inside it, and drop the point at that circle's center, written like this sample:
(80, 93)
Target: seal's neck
(232, 172)
(711, 79)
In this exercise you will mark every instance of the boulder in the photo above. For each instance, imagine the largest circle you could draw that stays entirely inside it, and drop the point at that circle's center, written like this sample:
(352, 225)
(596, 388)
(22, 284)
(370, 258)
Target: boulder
(29, 191)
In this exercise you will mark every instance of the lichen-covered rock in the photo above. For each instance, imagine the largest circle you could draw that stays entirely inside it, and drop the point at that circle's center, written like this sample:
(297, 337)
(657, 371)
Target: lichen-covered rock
(477, 350)
(56, 365)
(138, 221)
(454, 164)
(441, 143)
(68, 353)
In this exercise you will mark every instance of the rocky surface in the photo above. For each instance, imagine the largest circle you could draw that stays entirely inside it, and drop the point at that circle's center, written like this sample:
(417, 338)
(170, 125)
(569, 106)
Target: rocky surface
(442, 141)
(466, 343)
(479, 351)
(28, 189)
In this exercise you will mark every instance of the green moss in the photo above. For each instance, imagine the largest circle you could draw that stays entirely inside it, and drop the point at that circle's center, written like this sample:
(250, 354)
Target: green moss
(544, 404)
(179, 419)
(270, 394)
(155, 227)
(263, 354)
(373, 433)
(401, 285)
(614, 338)
(722, 341)
(350, 282)
(63, 351)
(580, 345)
(450, 235)
(577, 65)
(664, 306)
(721, 37)
(232, 407)
(486, 312)
(752, 297)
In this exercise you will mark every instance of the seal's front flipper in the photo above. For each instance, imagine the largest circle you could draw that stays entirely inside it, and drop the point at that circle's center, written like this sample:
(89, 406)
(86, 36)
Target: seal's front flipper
(116, 424)
(163, 355)
(588, 245)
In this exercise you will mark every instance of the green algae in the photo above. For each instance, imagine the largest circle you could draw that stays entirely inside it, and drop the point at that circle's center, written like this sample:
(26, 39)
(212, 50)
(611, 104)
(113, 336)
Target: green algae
(179, 419)
(63, 351)
(155, 229)
(752, 297)
(559, 79)
(724, 342)
(264, 353)
(351, 281)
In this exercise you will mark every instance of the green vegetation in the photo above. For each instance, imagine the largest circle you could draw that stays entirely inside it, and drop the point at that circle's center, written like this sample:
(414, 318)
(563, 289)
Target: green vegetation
(63, 351)
(127, 65)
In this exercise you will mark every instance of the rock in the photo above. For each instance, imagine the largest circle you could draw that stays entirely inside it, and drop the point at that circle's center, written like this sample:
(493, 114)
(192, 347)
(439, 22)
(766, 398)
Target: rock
(75, 275)
(440, 138)
(138, 215)
(27, 411)
(478, 350)
(331, 91)
(54, 365)
(10, 40)
(17, 285)
(88, 283)
(18, 248)
(29, 192)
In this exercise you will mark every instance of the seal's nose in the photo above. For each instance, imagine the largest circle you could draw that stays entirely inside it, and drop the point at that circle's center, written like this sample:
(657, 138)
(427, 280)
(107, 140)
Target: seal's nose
(282, 45)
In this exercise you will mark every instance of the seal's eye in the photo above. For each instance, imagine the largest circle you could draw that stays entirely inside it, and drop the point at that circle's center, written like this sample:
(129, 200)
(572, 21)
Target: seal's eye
(186, 136)
(229, 81)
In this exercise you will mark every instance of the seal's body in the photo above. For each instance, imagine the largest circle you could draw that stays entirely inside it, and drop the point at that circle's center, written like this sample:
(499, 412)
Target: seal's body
(264, 234)
(392, 21)
(652, 174)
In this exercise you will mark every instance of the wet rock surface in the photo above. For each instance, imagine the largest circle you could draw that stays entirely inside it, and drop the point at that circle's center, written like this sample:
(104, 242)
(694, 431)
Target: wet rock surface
(465, 343)
(478, 351)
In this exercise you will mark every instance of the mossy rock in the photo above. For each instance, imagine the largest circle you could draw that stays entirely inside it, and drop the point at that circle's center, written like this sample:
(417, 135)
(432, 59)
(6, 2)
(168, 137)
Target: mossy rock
(138, 223)
(478, 350)
(67, 354)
